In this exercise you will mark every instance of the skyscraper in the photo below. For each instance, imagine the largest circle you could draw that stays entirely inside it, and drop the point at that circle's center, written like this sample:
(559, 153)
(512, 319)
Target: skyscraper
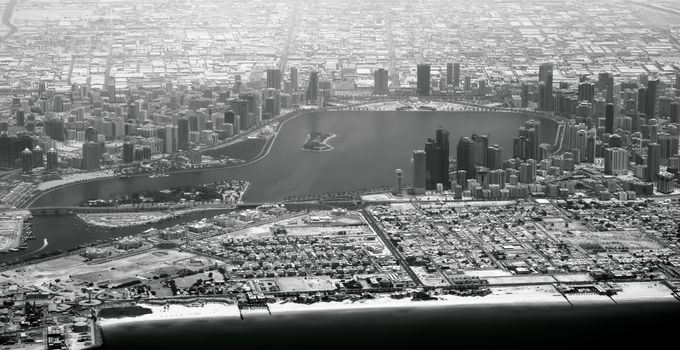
(91, 156)
(433, 164)
(27, 162)
(651, 106)
(465, 153)
(480, 146)
(493, 157)
(456, 74)
(423, 82)
(419, 171)
(526, 144)
(54, 128)
(274, 79)
(380, 81)
(449, 74)
(313, 88)
(609, 118)
(653, 161)
(586, 91)
(293, 79)
(399, 182)
(128, 152)
(442, 138)
(605, 83)
(183, 133)
(545, 75)
(52, 159)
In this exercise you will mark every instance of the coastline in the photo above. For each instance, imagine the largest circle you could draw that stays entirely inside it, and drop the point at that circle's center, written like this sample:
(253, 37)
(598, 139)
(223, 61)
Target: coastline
(528, 296)
(327, 147)
(263, 154)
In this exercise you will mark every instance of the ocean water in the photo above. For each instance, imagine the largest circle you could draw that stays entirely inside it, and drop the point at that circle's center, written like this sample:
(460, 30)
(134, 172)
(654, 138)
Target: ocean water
(606, 326)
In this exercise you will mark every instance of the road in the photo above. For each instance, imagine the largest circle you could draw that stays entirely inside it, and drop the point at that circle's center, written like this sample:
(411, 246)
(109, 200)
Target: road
(394, 70)
(291, 32)
(395, 252)
(6, 19)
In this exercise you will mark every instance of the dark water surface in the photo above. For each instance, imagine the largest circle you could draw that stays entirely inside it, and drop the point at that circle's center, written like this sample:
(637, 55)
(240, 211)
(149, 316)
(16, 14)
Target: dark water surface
(502, 327)
(368, 147)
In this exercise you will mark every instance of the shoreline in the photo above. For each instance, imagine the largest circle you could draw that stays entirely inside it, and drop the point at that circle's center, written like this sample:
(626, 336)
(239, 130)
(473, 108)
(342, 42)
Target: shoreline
(265, 151)
(327, 148)
(529, 296)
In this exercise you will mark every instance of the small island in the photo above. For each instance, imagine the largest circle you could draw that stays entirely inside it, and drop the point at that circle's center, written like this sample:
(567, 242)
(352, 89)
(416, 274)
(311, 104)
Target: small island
(317, 142)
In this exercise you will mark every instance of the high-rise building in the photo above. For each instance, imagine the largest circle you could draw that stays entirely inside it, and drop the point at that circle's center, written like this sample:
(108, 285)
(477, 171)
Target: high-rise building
(293, 79)
(380, 82)
(433, 164)
(606, 84)
(449, 74)
(653, 161)
(399, 182)
(128, 152)
(525, 95)
(242, 110)
(675, 113)
(616, 161)
(274, 79)
(52, 159)
(423, 80)
(468, 84)
(183, 133)
(313, 88)
(54, 128)
(545, 76)
(609, 118)
(27, 162)
(442, 138)
(465, 157)
(11, 149)
(456, 74)
(493, 157)
(525, 146)
(419, 171)
(651, 106)
(91, 156)
(586, 91)
(20, 116)
(38, 156)
(480, 146)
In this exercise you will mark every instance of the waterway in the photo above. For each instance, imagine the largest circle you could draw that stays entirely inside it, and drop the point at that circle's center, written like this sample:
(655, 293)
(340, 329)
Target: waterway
(484, 327)
(368, 147)
(68, 231)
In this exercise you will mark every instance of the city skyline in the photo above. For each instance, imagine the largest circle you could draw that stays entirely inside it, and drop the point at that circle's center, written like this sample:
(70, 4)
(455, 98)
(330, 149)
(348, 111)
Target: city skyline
(499, 167)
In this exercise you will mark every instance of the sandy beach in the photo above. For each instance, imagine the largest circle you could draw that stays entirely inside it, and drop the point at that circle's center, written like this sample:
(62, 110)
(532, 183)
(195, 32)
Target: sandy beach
(501, 296)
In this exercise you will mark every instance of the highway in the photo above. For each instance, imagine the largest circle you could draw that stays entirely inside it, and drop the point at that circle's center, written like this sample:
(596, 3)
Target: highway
(375, 226)
(6, 19)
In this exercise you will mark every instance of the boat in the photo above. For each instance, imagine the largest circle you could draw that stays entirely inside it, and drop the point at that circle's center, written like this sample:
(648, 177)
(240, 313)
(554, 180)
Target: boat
(123, 176)
(13, 249)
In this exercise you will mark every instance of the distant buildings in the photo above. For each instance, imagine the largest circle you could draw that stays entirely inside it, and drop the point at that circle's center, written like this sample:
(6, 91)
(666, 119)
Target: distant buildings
(399, 182)
(545, 86)
(380, 82)
(437, 160)
(456, 74)
(91, 156)
(423, 80)
(419, 171)
(274, 79)
(313, 88)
